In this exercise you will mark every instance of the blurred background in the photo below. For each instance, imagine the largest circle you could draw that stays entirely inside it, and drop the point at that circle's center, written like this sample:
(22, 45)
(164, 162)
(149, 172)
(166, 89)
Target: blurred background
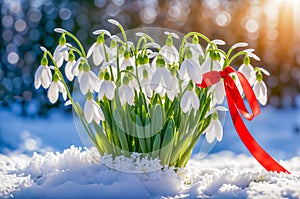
(270, 26)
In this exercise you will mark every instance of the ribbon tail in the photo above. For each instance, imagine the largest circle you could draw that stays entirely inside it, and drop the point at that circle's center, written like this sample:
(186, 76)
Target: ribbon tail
(254, 148)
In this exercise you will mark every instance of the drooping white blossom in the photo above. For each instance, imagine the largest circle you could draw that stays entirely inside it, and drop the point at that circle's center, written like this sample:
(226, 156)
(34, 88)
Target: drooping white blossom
(214, 129)
(260, 91)
(43, 76)
(55, 88)
(99, 50)
(61, 53)
(189, 99)
(218, 92)
(248, 72)
(126, 92)
(169, 49)
(88, 81)
(190, 68)
(93, 112)
(107, 88)
(161, 78)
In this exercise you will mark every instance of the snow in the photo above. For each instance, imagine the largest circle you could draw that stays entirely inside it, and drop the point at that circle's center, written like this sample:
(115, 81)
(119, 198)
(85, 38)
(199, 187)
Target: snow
(38, 160)
(76, 173)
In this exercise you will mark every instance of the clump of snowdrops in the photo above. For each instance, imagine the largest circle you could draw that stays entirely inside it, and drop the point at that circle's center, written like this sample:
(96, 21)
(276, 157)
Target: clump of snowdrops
(143, 97)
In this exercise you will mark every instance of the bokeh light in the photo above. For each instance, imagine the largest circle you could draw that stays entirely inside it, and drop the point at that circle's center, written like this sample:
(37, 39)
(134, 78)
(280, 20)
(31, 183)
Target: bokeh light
(270, 26)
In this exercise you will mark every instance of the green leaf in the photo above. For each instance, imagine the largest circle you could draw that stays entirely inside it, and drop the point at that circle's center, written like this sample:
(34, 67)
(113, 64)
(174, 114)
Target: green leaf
(156, 146)
(167, 145)
(156, 114)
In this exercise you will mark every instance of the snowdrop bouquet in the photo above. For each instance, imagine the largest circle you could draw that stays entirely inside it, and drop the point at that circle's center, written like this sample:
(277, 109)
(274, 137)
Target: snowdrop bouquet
(144, 97)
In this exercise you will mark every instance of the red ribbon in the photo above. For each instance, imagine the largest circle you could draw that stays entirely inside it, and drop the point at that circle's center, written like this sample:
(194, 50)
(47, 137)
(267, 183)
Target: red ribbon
(236, 105)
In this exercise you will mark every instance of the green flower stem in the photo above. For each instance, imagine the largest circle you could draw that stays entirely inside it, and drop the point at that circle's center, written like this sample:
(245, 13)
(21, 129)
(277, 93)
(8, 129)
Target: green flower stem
(77, 41)
(235, 56)
(185, 39)
(76, 50)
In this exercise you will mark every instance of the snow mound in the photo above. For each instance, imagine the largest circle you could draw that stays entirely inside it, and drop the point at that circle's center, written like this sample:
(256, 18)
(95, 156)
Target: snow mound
(77, 173)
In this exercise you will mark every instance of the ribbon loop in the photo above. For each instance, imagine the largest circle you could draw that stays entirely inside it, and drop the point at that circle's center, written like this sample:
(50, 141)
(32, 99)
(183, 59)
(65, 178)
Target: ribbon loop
(236, 105)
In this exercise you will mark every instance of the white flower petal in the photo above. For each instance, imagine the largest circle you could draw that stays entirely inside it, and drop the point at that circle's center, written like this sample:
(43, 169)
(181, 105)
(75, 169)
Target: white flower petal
(239, 44)
(112, 21)
(38, 76)
(84, 83)
(88, 111)
(59, 30)
(194, 100)
(43, 49)
(185, 102)
(194, 71)
(219, 92)
(91, 50)
(97, 56)
(218, 130)
(155, 80)
(218, 42)
(68, 70)
(264, 71)
(53, 92)
(167, 78)
(67, 103)
(110, 90)
(98, 32)
(210, 133)
(116, 38)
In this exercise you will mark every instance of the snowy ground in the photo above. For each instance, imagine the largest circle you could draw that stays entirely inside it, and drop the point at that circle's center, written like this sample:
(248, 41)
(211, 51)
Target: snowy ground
(73, 173)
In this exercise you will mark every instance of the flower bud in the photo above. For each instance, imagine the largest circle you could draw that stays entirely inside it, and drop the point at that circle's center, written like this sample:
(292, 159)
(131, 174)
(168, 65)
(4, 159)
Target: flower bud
(188, 53)
(89, 96)
(44, 61)
(113, 43)
(125, 80)
(169, 41)
(246, 60)
(55, 77)
(215, 115)
(100, 39)
(145, 73)
(106, 76)
(71, 55)
(160, 62)
(195, 40)
(190, 86)
(86, 67)
(62, 40)
(259, 76)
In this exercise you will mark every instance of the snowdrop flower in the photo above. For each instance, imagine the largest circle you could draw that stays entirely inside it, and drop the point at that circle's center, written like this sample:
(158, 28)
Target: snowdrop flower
(92, 111)
(145, 84)
(144, 65)
(260, 88)
(55, 88)
(161, 77)
(107, 88)
(172, 93)
(43, 75)
(99, 48)
(114, 46)
(196, 49)
(127, 60)
(126, 92)
(214, 129)
(88, 80)
(212, 64)
(190, 68)
(60, 53)
(218, 92)
(69, 66)
(248, 71)
(169, 50)
(189, 99)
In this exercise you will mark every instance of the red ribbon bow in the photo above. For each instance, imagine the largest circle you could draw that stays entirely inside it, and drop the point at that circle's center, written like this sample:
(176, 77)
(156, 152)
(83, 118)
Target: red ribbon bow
(236, 105)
